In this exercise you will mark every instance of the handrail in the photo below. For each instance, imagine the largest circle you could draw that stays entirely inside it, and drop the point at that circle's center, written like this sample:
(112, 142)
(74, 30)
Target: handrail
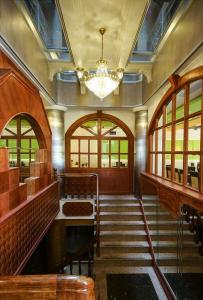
(82, 175)
(46, 287)
(68, 259)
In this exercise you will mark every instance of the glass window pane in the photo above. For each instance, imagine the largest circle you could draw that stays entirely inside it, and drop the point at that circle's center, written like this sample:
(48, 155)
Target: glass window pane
(33, 158)
(160, 140)
(91, 126)
(12, 159)
(195, 100)
(160, 122)
(194, 131)
(25, 145)
(12, 125)
(2, 143)
(123, 161)
(105, 146)
(74, 146)
(179, 136)
(74, 161)
(83, 146)
(105, 161)
(193, 171)
(169, 112)
(159, 171)
(93, 146)
(12, 143)
(82, 132)
(34, 144)
(114, 161)
(93, 161)
(168, 138)
(30, 133)
(106, 126)
(153, 139)
(116, 132)
(114, 146)
(25, 125)
(153, 163)
(179, 168)
(24, 160)
(180, 105)
(123, 146)
(84, 161)
(167, 172)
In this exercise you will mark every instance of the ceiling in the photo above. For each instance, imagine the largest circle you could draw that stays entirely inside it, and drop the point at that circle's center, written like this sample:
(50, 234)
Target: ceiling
(82, 20)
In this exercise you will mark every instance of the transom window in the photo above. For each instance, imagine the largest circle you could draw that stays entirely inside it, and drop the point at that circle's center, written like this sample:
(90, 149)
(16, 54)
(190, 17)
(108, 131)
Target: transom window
(98, 143)
(175, 137)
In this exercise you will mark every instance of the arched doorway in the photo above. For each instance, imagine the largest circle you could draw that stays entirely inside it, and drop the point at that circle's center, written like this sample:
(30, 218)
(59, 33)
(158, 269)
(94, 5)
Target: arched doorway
(103, 144)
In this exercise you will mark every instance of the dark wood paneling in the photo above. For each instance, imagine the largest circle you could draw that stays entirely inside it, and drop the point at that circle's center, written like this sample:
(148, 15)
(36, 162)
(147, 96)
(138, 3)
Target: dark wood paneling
(78, 208)
(173, 195)
(23, 227)
(17, 96)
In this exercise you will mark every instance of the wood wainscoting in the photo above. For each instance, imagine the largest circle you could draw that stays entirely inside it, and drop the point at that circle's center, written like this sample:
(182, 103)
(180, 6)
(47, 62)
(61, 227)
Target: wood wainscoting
(22, 228)
(172, 195)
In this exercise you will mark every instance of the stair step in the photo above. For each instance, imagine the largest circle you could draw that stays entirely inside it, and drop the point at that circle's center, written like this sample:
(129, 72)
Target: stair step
(114, 249)
(118, 227)
(117, 208)
(113, 243)
(112, 262)
(120, 222)
(126, 255)
(121, 217)
(124, 237)
(118, 202)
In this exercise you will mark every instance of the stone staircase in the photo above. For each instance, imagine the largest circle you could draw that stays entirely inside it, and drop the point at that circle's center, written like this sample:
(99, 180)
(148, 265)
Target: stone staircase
(123, 240)
(163, 231)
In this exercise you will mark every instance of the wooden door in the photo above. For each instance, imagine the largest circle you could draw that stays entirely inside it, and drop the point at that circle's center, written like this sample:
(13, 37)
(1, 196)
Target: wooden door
(103, 144)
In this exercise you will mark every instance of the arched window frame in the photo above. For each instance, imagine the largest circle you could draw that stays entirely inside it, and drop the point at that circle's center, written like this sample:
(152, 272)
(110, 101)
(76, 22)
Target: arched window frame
(157, 151)
(100, 116)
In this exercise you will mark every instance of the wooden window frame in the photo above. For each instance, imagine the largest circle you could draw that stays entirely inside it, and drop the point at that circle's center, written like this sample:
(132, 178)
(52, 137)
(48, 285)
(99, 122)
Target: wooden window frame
(177, 84)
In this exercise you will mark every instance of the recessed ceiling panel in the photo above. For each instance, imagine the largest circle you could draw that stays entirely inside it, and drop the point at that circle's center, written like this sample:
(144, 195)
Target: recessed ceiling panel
(82, 20)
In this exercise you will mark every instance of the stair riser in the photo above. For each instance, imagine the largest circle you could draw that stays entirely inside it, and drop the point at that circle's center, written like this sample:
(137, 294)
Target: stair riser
(114, 251)
(121, 227)
(123, 238)
(122, 262)
(121, 218)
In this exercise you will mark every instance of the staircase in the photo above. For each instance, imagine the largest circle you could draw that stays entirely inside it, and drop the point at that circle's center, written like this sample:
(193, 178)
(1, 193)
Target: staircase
(123, 240)
(163, 231)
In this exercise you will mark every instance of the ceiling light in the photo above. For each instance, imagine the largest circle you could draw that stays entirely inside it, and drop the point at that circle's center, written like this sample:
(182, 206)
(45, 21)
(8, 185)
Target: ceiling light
(103, 82)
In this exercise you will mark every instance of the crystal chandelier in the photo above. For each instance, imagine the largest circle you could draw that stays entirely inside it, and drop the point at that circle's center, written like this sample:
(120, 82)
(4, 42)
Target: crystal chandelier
(103, 82)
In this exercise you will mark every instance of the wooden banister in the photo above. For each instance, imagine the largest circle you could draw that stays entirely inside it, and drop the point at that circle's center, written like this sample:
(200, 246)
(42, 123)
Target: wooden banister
(49, 287)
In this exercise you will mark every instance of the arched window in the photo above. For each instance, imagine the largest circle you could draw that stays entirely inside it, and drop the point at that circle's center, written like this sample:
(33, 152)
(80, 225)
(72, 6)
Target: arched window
(98, 143)
(19, 137)
(103, 144)
(175, 133)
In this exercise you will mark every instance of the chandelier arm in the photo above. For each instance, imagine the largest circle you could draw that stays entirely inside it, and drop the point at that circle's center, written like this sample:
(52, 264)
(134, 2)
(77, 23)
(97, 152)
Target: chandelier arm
(102, 46)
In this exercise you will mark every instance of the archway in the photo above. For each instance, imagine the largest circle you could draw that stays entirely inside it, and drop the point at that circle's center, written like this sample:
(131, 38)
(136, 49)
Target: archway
(103, 144)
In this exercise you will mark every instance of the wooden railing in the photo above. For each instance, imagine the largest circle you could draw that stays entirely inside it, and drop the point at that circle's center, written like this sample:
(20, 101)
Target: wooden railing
(53, 287)
(83, 255)
(79, 184)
